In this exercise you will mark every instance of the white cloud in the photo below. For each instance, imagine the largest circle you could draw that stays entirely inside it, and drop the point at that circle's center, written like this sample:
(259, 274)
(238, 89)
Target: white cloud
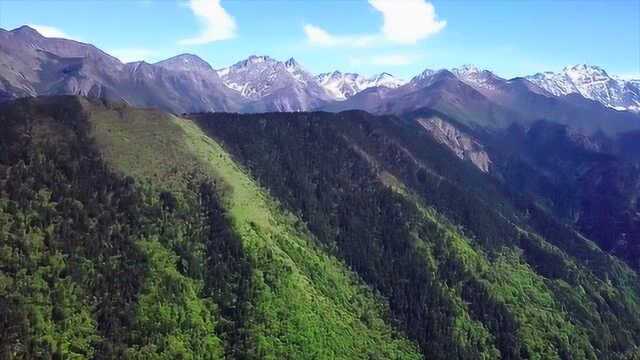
(404, 22)
(408, 21)
(318, 36)
(132, 54)
(50, 31)
(216, 22)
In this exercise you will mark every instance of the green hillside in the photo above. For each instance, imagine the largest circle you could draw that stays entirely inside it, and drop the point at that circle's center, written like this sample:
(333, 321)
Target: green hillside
(452, 251)
(222, 269)
(131, 233)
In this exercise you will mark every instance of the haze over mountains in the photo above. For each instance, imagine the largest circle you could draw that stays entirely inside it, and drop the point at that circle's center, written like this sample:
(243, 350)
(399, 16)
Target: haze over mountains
(35, 65)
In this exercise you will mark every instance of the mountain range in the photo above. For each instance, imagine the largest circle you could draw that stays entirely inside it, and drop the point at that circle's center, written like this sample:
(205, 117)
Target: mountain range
(35, 65)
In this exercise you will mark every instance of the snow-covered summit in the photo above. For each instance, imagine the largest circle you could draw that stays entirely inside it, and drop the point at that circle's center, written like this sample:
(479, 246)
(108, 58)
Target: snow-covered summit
(593, 83)
(344, 85)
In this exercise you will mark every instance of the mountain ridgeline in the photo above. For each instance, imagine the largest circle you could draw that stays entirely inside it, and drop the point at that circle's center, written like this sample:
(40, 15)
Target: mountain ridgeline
(582, 96)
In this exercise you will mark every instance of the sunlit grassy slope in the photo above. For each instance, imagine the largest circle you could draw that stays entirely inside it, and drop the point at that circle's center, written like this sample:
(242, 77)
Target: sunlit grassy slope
(308, 304)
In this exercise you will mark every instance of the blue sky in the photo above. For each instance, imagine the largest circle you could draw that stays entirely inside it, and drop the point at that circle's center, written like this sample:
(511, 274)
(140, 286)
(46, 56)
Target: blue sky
(403, 37)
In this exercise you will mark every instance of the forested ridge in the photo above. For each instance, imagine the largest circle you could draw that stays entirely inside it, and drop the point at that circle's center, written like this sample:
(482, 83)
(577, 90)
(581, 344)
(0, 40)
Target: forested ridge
(451, 250)
(178, 261)
(95, 265)
(130, 233)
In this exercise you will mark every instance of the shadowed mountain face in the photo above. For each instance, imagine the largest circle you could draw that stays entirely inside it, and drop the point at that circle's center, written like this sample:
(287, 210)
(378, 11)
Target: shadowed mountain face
(589, 181)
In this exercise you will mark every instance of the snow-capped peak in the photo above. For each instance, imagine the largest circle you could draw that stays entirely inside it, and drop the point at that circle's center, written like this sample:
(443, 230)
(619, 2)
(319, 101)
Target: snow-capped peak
(260, 76)
(424, 75)
(466, 70)
(256, 59)
(593, 83)
(476, 77)
(344, 85)
(585, 69)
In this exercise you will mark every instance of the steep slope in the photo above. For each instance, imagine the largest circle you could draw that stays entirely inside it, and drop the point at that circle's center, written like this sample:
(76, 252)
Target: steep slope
(96, 271)
(591, 182)
(172, 86)
(220, 268)
(462, 143)
(34, 65)
(588, 181)
(469, 269)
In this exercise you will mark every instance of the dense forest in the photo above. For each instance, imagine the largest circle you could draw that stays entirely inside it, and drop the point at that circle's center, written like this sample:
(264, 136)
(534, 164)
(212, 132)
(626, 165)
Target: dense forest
(98, 264)
(451, 250)
(94, 265)
(129, 233)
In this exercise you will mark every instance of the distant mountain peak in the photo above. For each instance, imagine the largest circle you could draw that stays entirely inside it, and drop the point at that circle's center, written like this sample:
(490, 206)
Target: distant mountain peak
(282, 86)
(185, 62)
(292, 63)
(28, 33)
(384, 75)
(467, 69)
(344, 85)
(424, 75)
(592, 82)
(256, 59)
(476, 77)
(584, 67)
(26, 29)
